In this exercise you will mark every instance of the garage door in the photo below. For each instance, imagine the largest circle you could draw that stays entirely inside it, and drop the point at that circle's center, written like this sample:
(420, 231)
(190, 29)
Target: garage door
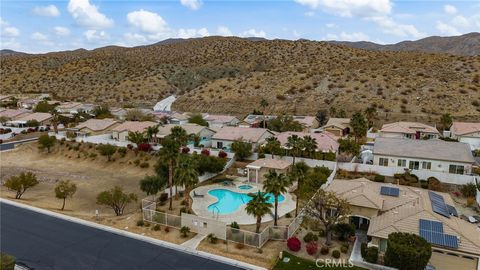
(448, 261)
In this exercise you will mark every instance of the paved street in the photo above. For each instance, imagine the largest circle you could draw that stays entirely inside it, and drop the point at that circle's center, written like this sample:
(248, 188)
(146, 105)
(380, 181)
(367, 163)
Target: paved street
(45, 242)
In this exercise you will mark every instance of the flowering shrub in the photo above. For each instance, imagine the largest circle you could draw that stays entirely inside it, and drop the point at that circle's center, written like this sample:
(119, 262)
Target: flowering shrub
(222, 154)
(145, 147)
(312, 248)
(294, 244)
(185, 150)
(205, 152)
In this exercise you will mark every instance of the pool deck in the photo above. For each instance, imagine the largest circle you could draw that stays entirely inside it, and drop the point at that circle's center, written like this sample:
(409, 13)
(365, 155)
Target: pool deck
(200, 204)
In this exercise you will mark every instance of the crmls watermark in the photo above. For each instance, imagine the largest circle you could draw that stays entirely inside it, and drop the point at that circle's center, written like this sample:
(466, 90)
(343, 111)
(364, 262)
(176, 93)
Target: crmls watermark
(320, 263)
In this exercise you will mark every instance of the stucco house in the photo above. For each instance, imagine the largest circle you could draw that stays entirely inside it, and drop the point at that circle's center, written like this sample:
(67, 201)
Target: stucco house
(256, 170)
(435, 155)
(409, 130)
(256, 120)
(326, 142)
(42, 118)
(467, 133)
(227, 135)
(308, 122)
(381, 209)
(218, 121)
(94, 127)
(120, 132)
(339, 127)
(13, 114)
(178, 118)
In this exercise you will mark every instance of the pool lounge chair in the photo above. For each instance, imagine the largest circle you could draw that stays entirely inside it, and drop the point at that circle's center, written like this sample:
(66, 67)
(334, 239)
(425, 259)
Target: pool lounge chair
(197, 195)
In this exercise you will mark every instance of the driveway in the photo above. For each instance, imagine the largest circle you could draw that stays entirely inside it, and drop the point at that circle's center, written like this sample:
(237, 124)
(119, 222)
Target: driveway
(45, 242)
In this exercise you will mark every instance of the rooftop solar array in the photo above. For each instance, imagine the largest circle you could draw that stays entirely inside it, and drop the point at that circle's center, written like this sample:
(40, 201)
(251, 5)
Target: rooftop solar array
(452, 211)
(438, 204)
(389, 191)
(432, 232)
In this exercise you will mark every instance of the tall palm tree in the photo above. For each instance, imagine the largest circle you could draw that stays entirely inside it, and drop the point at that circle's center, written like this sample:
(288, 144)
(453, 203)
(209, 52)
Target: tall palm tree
(264, 105)
(258, 206)
(169, 154)
(370, 114)
(186, 175)
(299, 173)
(309, 145)
(152, 132)
(294, 144)
(55, 120)
(276, 183)
(273, 145)
(179, 135)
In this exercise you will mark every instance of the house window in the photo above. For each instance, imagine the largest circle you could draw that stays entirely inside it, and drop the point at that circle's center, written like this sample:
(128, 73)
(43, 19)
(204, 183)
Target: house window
(457, 169)
(426, 165)
(413, 165)
(383, 161)
(383, 245)
(408, 136)
(402, 163)
(220, 145)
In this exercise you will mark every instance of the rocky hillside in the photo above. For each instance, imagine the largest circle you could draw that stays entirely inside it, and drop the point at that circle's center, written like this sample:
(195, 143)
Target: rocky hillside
(468, 45)
(232, 75)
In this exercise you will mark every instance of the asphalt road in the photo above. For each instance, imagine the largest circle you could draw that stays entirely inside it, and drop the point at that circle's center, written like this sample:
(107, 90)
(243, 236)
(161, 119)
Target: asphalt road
(45, 242)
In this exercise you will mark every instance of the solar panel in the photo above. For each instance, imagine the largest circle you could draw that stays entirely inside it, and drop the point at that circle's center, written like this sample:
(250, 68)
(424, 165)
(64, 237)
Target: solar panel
(432, 232)
(452, 211)
(389, 191)
(438, 204)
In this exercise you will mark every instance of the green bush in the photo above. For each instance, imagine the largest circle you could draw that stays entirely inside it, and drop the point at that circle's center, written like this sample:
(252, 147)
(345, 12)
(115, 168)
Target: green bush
(372, 255)
(336, 254)
(156, 227)
(234, 225)
(344, 249)
(122, 151)
(144, 165)
(324, 250)
(343, 230)
(310, 237)
(212, 238)
(407, 251)
(185, 231)
(140, 223)
(7, 262)
(469, 190)
(379, 178)
(363, 250)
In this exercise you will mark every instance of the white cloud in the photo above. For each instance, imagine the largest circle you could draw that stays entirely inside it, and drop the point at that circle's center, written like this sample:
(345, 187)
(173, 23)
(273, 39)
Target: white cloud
(460, 21)
(47, 11)
(343, 36)
(330, 25)
(147, 21)
(10, 31)
(389, 26)
(95, 36)
(296, 34)
(351, 8)
(37, 36)
(87, 15)
(224, 31)
(253, 33)
(191, 4)
(447, 29)
(190, 33)
(309, 13)
(61, 31)
(449, 9)
(132, 39)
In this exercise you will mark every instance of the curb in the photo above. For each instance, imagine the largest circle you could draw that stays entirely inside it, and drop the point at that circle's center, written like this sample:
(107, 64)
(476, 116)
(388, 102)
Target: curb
(147, 239)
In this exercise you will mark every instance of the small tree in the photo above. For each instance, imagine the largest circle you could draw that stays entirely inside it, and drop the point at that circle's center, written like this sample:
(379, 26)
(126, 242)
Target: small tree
(446, 121)
(322, 117)
(65, 189)
(107, 150)
(184, 230)
(116, 199)
(21, 183)
(46, 142)
(273, 146)
(32, 123)
(328, 209)
(241, 149)
(359, 125)
(349, 146)
(406, 251)
(197, 118)
(136, 137)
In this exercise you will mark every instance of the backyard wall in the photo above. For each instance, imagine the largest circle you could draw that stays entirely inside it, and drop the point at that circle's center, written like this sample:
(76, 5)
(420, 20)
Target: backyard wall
(204, 226)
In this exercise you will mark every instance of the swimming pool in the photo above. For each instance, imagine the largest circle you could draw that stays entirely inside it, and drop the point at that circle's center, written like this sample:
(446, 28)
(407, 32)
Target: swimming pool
(245, 187)
(230, 201)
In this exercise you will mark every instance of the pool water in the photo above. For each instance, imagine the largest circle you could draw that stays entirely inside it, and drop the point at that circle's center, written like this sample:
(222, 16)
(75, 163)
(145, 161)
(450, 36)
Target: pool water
(230, 201)
(245, 187)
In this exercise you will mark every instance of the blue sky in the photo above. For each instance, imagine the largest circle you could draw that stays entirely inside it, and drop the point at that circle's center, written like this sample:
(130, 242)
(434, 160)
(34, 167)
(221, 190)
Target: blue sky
(43, 26)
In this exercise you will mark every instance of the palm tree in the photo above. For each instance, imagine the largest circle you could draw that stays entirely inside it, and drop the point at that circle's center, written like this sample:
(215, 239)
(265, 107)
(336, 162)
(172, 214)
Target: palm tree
(179, 135)
(195, 138)
(276, 183)
(294, 143)
(299, 173)
(309, 145)
(258, 206)
(264, 105)
(136, 137)
(55, 120)
(370, 114)
(273, 145)
(186, 175)
(446, 121)
(152, 132)
(169, 154)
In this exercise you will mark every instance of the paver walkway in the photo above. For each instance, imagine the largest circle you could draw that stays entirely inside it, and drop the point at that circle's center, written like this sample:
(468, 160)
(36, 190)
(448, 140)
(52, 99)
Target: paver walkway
(194, 242)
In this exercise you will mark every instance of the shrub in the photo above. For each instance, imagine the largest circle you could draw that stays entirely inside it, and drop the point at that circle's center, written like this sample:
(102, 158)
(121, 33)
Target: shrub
(185, 150)
(336, 254)
(344, 249)
(184, 231)
(205, 152)
(309, 237)
(212, 238)
(136, 162)
(145, 147)
(234, 225)
(371, 255)
(239, 245)
(469, 190)
(144, 165)
(407, 251)
(324, 250)
(294, 244)
(140, 223)
(156, 227)
(288, 215)
(344, 230)
(312, 248)
(363, 250)
(7, 262)
(122, 151)
(222, 154)
(379, 178)
(163, 198)
(167, 229)
(321, 233)
(241, 149)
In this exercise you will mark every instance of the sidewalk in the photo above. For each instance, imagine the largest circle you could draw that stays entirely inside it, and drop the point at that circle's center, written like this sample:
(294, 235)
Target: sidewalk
(194, 242)
(356, 256)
